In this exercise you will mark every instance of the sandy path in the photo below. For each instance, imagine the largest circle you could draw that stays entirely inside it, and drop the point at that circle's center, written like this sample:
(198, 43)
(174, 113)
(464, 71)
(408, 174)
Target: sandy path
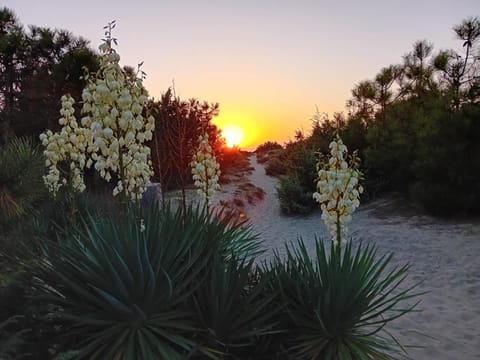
(443, 258)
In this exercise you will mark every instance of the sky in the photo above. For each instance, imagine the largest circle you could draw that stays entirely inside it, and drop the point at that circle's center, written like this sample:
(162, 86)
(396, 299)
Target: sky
(268, 63)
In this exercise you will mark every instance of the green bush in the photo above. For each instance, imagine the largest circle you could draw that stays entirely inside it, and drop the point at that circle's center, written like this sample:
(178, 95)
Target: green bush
(264, 150)
(293, 198)
(277, 163)
(446, 176)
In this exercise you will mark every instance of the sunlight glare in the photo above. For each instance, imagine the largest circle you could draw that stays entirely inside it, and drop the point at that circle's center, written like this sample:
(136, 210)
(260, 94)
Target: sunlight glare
(233, 135)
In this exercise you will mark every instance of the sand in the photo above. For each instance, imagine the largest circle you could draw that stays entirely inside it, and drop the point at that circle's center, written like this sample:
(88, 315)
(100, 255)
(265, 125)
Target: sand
(442, 256)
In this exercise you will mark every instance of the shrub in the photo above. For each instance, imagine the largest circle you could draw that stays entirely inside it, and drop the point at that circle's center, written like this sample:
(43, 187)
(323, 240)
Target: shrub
(263, 151)
(293, 198)
(268, 146)
(446, 177)
(275, 165)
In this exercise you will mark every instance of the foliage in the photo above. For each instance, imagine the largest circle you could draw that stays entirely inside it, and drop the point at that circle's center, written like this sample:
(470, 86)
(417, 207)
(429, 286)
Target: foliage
(275, 165)
(263, 151)
(28, 330)
(124, 290)
(21, 188)
(296, 186)
(452, 189)
(293, 198)
(37, 66)
(232, 309)
(268, 146)
(178, 125)
(412, 124)
(339, 304)
(9, 342)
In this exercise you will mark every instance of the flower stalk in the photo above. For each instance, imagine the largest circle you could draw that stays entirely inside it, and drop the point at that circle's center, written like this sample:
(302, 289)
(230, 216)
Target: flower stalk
(114, 129)
(205, 170)
(338, 189)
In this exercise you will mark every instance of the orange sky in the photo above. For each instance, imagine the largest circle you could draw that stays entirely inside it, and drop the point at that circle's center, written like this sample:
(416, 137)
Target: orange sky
(269, 63)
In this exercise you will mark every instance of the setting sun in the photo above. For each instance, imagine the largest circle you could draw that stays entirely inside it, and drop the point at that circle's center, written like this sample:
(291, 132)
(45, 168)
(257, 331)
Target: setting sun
(233, 135)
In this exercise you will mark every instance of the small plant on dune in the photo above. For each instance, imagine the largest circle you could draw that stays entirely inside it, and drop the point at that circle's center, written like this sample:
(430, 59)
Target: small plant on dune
(205, 170)
(340, 304)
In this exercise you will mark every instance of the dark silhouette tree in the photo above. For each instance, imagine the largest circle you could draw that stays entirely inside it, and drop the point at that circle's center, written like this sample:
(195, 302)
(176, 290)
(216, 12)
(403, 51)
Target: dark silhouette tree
(461, 73)
(12, 55)
(178, 124)
(37, 66)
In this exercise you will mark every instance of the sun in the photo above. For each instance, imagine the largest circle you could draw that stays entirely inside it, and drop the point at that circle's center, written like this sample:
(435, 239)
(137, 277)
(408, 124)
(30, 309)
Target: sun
(233, 135)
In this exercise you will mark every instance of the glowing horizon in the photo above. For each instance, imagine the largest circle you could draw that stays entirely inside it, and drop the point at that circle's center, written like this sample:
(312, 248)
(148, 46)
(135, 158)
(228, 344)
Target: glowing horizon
(268, 64)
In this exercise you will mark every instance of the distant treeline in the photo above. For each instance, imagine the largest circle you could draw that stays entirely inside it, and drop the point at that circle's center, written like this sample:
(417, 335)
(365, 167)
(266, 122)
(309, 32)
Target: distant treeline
(416, 126)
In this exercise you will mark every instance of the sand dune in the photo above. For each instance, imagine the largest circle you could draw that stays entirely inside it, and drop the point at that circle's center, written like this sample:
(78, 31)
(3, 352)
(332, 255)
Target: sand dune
(443, 257)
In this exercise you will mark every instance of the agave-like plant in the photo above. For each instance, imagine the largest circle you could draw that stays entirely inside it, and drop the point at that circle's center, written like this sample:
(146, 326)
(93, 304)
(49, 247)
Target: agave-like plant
(340, 304)
(21, 184)
(233, 310)
(10, 342)
(123, 282)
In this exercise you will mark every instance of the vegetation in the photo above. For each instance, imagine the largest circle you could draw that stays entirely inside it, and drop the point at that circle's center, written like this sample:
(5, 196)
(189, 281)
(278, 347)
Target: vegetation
(263, 151)
(37, 67)
(414, 125)
(115, 280)
(21, 185)
(178, 126)
(344, 314)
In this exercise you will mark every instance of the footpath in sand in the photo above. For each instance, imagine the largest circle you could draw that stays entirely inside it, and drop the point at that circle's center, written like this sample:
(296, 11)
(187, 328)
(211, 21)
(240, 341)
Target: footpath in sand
(443, 257)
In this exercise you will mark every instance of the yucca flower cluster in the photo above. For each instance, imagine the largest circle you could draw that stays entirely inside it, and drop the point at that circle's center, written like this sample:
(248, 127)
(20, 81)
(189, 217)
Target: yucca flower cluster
(338, 189)
(70, 146)
(205, 170)
(113, 130)
(113, 106)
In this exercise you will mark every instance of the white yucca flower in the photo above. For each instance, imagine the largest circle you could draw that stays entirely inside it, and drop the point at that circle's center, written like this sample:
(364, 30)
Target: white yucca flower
(112, 133)
(205, 170)
(113, 108)
(69, 146)
(338, 189)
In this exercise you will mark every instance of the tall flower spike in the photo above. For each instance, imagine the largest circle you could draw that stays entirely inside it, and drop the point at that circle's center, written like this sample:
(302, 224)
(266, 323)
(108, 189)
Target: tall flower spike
(113, 130)
(205, 170)
(114, 109)
(338, 189)
(69, 146)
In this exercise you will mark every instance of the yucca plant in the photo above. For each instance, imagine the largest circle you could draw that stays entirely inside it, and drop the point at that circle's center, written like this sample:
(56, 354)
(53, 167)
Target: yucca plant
(232, 309)
(238, 238)
(339, 305)
(123, 282)
(21, 184)
(10, 341)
